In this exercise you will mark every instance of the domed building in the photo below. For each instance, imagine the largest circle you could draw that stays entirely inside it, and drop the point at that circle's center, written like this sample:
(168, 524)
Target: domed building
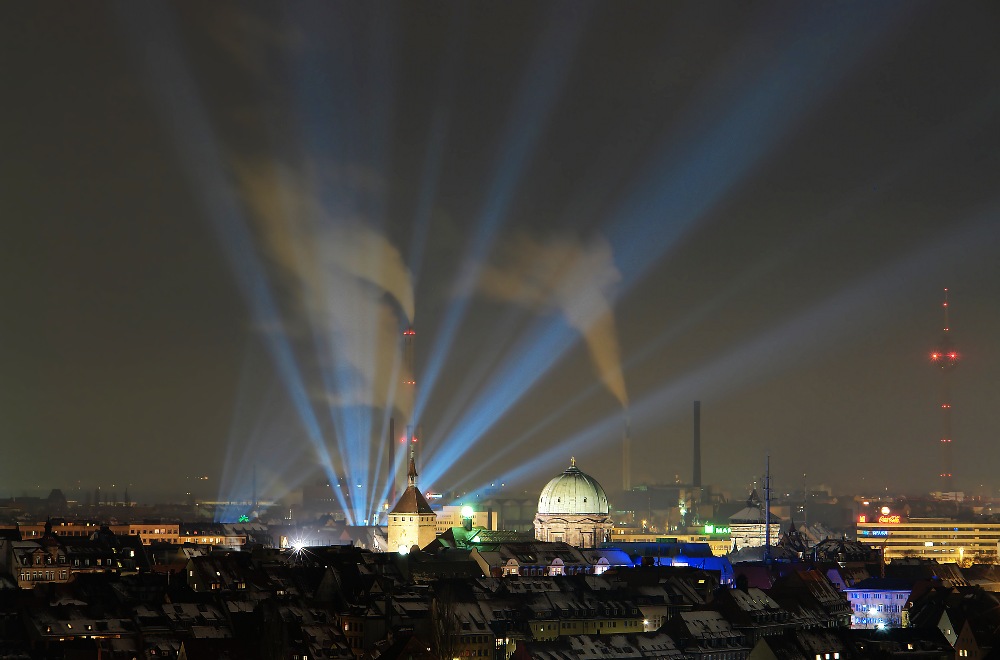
(573, 508)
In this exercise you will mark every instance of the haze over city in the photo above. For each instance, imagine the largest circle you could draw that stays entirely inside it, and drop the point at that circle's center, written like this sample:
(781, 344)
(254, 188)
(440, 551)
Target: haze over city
(220, 218)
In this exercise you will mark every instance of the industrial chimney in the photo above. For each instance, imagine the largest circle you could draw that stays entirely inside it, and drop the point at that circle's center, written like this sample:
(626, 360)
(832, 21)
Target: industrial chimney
(392, 461)
(627, 456)
(696, 476)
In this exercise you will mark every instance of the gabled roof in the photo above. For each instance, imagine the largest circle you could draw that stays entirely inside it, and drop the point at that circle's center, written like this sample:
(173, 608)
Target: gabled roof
(884, 584)
(751, 600)
(702, 626)
(752, 516)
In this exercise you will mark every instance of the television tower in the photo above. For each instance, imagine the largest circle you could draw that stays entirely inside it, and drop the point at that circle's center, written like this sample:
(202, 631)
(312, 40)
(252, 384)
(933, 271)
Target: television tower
(945, 358)
(409, 389)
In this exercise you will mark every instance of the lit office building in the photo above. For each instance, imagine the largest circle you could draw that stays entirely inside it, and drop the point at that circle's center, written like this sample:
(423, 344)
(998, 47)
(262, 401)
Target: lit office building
(943, 539)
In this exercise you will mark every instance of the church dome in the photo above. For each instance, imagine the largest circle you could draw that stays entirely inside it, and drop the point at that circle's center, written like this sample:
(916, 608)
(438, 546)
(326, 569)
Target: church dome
(573, 492)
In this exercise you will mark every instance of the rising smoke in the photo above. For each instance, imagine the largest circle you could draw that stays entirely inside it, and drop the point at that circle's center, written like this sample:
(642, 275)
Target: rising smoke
(574, 277)
(349, 286)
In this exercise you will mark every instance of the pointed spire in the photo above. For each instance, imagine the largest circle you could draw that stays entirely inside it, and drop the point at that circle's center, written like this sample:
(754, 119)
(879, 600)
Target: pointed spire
(411, 473)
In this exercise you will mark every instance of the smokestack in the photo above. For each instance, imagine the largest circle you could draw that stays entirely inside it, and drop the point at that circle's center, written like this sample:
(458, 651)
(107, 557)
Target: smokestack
(626, 457)
(767, 511)
(392, 461)
(696, 475)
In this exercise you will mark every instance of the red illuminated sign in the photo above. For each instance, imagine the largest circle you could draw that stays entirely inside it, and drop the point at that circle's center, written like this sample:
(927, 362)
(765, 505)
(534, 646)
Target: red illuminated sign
(862, 519)
(892, 520)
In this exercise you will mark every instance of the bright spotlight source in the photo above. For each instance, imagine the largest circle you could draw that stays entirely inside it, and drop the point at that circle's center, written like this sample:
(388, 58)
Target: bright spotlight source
(467, 511)
(885, 511)
(403, 550)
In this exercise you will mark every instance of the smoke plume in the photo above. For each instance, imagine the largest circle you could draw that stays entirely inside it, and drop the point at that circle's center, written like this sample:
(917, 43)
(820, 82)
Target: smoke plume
(575, 277)
(349, 285)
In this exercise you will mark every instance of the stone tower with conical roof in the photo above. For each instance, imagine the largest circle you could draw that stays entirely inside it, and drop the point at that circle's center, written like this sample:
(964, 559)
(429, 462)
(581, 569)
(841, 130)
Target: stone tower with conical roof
(412, 522)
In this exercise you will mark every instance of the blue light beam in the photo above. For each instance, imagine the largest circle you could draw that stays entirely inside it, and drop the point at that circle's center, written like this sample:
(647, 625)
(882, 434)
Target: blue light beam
(724, 137)
(541, 87)
(179, 105)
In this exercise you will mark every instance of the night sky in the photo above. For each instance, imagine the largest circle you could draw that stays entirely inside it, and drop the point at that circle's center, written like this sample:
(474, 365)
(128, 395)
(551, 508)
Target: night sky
(218, 218)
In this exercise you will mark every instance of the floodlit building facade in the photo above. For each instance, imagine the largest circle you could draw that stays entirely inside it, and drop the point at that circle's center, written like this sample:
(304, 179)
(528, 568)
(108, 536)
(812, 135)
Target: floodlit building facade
(942, 539)
(573, 508)
(879, 603)
(452, 516)
(747, 528)
(412, 522)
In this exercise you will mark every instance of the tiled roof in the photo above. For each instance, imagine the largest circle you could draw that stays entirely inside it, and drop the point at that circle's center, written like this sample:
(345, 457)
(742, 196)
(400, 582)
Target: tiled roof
(412, 501)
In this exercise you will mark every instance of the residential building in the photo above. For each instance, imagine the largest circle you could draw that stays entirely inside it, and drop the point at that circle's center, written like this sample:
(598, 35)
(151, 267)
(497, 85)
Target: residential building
(879, 603)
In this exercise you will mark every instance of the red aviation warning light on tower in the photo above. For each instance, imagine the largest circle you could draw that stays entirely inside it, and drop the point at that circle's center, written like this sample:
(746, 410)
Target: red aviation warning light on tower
(945, 357)
(407, 402)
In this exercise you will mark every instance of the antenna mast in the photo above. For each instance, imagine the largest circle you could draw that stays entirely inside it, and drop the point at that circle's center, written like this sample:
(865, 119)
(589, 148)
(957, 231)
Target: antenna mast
(945, 357)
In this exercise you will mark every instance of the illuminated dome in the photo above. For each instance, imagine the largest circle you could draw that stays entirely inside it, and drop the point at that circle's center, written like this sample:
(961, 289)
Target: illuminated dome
(573, 492)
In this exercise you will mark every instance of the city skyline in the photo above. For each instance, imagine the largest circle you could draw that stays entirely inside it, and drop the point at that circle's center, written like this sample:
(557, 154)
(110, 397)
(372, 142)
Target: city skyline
(220, 220)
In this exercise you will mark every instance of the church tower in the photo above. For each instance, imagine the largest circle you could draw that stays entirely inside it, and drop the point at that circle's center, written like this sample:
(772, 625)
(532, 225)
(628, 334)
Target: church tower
(412, 522)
